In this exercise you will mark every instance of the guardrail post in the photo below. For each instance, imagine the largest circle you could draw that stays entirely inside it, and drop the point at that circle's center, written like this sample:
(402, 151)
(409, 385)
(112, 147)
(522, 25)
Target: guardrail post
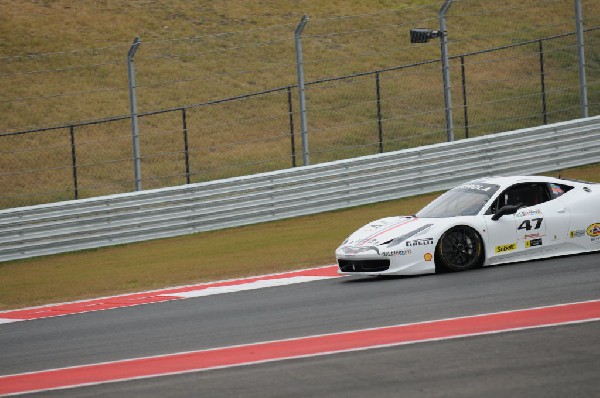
(74, 160)
(379, 123)
(185, 145)
(464, 92)
(543, 83)
(291, 113)
(134, 115)
(446, 69)
(581, 57)
(301, 96)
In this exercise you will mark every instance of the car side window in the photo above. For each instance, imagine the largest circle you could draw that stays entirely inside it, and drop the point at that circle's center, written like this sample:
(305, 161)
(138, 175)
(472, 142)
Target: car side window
(559, 189)
(522, 195)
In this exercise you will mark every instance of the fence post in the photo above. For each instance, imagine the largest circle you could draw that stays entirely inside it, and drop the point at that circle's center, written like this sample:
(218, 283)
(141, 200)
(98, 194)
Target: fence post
(291, 113)
(464, 91)
(134, 115)
(301, 96)
(446, 69)
(74, 159)
(185, 145)
(581, 57)
(543, 83)
(379, 124)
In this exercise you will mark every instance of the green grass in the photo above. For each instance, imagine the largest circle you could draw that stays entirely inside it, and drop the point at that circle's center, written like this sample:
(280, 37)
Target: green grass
(251, 250)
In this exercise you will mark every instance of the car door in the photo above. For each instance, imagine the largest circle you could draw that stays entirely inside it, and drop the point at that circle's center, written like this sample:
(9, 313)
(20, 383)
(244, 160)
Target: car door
(531, 225)
(501, 237)
(540, 222)
(556, 222)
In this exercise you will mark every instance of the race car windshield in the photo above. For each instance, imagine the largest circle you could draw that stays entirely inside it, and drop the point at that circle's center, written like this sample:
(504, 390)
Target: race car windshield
(465, 200)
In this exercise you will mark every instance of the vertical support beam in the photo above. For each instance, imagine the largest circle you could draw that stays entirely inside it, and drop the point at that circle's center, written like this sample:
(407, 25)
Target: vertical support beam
(446, 69)
(581, 57)
(74, 159)
(543, 83)
(291, 113)
(134, 115)
(464, 92)
(379, 124)
(301, 95)
(185, 145)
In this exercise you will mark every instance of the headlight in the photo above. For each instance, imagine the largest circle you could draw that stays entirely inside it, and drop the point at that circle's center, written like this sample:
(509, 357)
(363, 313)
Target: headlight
(351, 250)
(400, 239)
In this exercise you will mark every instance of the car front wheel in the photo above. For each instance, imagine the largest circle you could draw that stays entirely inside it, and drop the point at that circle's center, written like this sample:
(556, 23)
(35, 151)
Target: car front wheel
(459, 249)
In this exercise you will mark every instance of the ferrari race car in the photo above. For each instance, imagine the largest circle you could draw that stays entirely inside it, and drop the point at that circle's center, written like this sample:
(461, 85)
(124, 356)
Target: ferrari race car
(484, 222)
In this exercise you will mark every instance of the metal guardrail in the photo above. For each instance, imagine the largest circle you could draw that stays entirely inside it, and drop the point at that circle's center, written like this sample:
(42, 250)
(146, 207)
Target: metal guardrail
(139, 216)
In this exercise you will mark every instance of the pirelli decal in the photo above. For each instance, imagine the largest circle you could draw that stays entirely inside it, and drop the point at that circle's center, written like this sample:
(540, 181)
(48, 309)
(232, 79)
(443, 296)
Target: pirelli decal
(506, 248)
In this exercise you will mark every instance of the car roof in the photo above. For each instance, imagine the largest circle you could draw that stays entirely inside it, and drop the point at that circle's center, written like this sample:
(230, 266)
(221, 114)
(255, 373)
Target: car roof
(505, 181)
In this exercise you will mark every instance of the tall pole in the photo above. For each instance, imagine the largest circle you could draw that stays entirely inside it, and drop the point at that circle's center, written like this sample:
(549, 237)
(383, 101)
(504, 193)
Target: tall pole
(134, 115)
(301, 96)
(446, 69)
(581, 57)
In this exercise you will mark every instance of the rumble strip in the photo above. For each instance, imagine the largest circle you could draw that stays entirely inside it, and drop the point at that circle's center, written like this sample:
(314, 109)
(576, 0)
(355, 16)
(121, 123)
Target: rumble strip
(175, 293)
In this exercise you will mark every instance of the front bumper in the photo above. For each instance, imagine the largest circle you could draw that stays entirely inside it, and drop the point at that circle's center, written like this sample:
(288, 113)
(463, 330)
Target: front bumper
(356, 265)
(414, 262)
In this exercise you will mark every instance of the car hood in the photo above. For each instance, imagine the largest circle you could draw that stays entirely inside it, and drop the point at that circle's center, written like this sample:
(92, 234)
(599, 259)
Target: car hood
(385, 230)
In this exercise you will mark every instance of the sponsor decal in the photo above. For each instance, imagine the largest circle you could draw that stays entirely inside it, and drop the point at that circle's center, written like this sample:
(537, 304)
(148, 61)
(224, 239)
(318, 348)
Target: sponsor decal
(396, 253)
(594, 230)
(531, 212)
(577, 234)
(428, 257)
(595, 240)
(477, 187)
(420, 242)
(506, 248)
(533, 236)
(533, 242)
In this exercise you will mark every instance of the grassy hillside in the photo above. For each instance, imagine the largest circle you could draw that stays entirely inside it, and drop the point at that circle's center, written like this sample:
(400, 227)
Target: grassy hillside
(65, 61)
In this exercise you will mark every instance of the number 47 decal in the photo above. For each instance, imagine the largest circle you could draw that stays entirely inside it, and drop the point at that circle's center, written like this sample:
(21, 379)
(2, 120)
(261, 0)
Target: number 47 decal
(526, 224)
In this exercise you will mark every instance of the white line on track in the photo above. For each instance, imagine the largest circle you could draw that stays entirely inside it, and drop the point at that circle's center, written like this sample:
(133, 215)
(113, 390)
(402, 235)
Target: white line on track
(248, 286)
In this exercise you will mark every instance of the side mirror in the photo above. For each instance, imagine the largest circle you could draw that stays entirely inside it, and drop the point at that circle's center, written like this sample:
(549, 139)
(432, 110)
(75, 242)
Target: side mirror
(504, 210)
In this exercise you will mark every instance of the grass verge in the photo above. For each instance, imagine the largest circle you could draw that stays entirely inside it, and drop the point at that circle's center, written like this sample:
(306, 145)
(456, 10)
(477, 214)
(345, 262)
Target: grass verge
(251, 250)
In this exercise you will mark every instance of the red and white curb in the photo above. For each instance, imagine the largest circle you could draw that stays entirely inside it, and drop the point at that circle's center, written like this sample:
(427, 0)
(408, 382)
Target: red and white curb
(303, 347)
(170, 294)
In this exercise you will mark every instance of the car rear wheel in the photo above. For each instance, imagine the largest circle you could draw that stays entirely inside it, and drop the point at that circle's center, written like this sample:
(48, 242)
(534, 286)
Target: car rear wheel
(459, 249)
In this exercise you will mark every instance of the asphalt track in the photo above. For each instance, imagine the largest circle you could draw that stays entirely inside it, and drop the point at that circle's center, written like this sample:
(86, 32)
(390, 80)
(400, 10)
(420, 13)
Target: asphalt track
(546, 362)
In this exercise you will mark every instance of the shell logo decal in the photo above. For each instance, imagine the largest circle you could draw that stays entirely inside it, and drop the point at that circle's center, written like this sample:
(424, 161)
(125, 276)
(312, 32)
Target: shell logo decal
(428, 257)
(594, 229)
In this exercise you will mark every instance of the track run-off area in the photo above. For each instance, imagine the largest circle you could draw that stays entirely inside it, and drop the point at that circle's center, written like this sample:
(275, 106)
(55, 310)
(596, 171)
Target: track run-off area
(527, 329)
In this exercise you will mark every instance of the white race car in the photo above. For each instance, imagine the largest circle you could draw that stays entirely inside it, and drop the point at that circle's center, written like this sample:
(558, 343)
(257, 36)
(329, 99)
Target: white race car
(483, 222)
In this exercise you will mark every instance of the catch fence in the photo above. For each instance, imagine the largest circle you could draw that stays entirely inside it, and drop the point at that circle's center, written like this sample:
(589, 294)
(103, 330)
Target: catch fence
(525, 84)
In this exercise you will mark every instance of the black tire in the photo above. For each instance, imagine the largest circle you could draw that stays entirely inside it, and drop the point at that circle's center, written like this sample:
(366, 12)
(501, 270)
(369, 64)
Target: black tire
(460, 248)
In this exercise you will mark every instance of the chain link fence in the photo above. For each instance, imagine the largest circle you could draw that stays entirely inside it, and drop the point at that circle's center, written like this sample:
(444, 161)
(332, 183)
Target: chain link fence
(207, 108)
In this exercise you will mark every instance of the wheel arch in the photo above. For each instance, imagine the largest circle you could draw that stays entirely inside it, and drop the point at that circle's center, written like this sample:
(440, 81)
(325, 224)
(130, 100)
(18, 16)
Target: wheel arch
(483, 254)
